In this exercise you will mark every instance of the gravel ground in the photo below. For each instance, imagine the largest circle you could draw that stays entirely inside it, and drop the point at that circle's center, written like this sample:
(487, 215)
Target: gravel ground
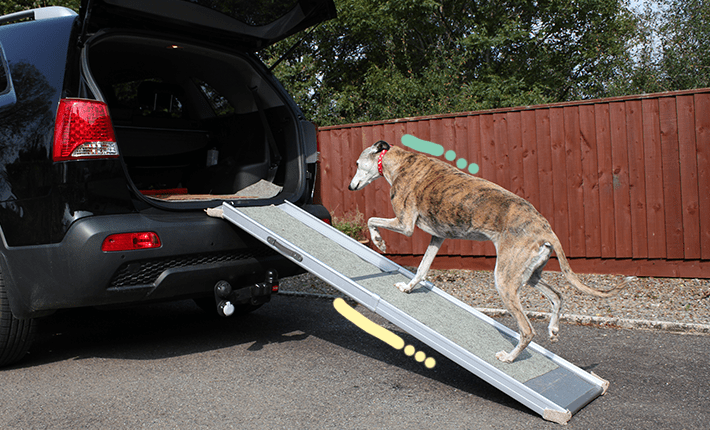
(646, 302)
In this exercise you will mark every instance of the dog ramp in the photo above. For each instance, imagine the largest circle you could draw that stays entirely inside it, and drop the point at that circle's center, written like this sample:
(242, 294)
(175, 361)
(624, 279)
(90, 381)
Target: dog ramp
(539, 379)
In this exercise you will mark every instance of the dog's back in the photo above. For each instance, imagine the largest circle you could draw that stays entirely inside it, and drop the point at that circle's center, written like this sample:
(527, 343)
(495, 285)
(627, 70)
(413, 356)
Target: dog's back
(454, 204)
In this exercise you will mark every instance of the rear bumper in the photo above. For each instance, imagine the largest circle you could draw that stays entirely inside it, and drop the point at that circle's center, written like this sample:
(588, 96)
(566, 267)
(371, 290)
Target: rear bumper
(196, 252)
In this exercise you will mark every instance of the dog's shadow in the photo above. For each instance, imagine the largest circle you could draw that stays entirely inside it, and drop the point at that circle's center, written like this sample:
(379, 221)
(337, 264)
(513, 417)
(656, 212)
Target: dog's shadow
(512, 341)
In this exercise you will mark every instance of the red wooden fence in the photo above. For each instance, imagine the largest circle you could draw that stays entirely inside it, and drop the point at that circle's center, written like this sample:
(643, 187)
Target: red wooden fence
(624, 182)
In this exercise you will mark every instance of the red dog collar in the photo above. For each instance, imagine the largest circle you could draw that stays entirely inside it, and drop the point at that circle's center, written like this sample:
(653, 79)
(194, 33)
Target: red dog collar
(379, 162)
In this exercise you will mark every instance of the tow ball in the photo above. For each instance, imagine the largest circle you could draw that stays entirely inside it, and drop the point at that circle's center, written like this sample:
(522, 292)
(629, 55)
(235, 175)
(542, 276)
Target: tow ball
(227, 297)
(222, 290)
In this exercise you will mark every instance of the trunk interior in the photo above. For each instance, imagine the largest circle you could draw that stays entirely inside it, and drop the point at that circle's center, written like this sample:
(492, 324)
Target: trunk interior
(194, 123)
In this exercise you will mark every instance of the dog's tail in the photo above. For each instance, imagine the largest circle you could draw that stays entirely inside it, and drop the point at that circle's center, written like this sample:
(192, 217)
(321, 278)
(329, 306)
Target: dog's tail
(575, 281)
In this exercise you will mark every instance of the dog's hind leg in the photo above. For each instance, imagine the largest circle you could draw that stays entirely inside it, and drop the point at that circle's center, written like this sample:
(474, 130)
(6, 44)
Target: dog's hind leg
(519, 264)
(535, 281)
(424, 266)
(508, 281)
(555, 301)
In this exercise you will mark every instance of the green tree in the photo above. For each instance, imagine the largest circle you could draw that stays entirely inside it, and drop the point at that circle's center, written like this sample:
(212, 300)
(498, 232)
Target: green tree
(670, 50)
(395, 58)
(685, 35)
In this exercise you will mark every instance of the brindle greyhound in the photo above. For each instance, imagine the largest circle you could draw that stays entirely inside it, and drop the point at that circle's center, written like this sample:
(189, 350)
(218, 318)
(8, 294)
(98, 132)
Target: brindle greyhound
(448, 203)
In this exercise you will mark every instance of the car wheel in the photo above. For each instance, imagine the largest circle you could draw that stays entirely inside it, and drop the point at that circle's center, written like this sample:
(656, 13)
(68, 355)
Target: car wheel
(16, 336)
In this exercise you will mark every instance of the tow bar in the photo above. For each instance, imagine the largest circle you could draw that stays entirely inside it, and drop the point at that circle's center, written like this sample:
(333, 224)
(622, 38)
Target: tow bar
(226, 297)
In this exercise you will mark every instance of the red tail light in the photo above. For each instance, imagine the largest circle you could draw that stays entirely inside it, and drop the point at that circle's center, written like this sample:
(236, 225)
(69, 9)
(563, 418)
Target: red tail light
(83, 130)
(131, 241)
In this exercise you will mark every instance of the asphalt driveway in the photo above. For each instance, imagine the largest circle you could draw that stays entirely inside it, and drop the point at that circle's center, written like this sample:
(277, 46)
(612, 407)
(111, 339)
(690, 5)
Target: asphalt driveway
(296, 363)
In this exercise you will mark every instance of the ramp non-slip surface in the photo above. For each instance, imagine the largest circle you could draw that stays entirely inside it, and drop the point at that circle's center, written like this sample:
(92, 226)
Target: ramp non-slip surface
(535, 370)
(422, 303)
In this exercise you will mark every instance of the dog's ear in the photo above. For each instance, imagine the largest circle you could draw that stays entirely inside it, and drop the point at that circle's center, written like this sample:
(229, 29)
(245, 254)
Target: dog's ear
(381, 146)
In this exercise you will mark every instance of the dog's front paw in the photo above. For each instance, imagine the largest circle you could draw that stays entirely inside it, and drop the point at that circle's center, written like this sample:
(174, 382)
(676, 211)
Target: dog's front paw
(405, 288)
(376, 237)
(379, 243)
(504, 357)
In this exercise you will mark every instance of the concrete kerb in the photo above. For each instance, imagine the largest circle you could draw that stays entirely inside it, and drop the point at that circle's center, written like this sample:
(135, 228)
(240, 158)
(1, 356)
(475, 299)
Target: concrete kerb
(667, 326)
(691, 328)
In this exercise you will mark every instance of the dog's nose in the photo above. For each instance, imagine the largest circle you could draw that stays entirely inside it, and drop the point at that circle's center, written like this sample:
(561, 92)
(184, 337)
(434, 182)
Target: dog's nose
(350, 187)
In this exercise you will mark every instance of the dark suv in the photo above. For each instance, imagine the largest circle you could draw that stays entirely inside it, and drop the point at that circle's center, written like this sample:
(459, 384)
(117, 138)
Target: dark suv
(118, 127)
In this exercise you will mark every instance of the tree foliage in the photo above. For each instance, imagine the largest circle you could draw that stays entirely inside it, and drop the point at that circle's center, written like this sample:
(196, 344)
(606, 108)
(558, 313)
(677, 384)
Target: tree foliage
(685, 32)
(395, 58)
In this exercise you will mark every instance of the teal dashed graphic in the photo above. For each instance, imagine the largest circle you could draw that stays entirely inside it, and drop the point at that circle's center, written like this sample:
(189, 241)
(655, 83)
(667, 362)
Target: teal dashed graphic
(420, 145)
(437, 150)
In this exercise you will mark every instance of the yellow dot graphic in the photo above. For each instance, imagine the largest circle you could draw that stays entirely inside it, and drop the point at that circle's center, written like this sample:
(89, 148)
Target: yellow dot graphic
(380, 332)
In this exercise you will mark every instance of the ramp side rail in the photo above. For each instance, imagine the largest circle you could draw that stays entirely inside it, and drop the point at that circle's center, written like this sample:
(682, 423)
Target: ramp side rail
(547, 395)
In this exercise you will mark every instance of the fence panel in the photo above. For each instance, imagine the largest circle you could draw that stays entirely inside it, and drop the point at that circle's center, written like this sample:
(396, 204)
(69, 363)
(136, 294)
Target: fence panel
(689, 176)
(702, 147)
(668, 126)
(624, 182)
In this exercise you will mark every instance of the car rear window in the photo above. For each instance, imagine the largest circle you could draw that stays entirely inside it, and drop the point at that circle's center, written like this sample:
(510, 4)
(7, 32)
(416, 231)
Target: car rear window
(4, 81)
(220, 105)
(7, 94)
(150, 97)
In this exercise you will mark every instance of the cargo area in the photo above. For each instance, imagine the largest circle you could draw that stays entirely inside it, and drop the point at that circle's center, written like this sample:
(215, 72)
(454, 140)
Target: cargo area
(195, 123)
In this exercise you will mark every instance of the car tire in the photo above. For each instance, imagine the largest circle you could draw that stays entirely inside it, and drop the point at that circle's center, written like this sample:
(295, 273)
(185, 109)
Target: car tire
(16, 336)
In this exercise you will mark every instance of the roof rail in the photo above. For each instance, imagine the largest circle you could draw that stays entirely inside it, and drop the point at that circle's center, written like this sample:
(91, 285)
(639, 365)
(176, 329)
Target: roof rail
(37, 14)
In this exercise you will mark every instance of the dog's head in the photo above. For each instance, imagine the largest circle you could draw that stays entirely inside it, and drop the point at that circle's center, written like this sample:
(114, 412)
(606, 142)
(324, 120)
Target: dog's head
(367, 170)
